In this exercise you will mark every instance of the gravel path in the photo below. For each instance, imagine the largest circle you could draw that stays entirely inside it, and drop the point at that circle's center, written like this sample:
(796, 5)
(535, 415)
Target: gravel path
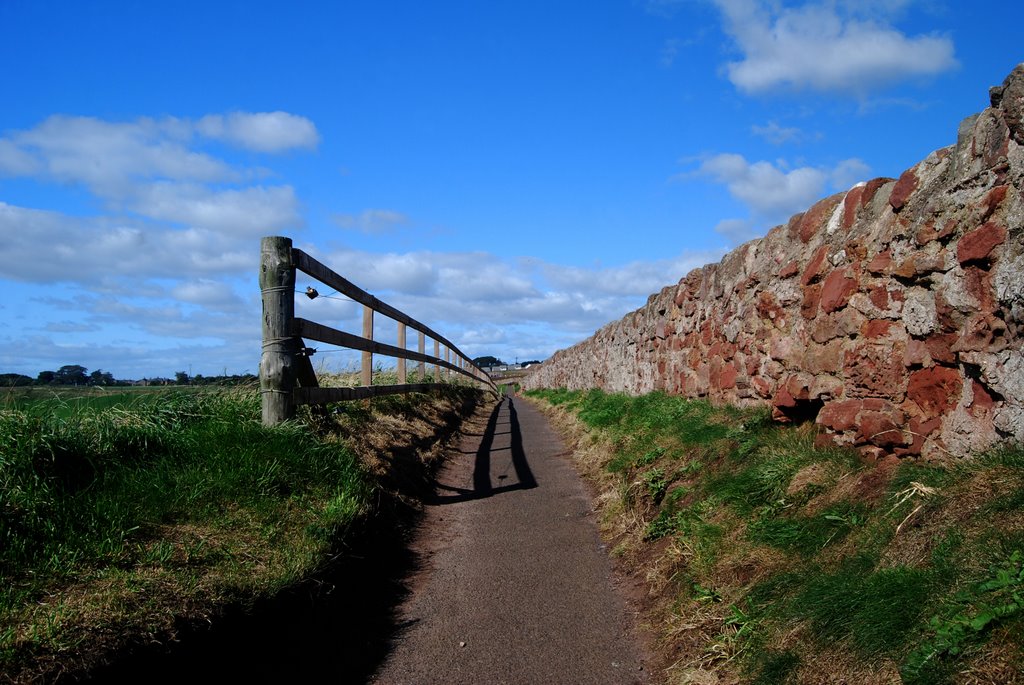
(515, 585)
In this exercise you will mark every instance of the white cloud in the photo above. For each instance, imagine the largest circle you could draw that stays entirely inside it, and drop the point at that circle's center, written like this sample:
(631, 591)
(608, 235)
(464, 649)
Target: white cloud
(252, 211)
(70, 327)
(44, 247)
(372, 221)
(208, 292)
(764, 187)
(772, 191)
(775, 134)
(737, 231)
(261, 131)
(110, 157)
(14, 161)
(825, 47)
(636, 279)
(848, 173)
(476, 290)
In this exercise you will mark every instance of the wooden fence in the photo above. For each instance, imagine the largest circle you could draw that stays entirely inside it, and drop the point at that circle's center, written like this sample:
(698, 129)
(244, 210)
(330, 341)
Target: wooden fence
(287, 377)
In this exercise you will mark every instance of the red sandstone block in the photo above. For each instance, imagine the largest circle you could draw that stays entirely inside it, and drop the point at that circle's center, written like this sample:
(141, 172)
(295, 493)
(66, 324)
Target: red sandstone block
(992, 201)
(929, 233)
(877, 404)
(814, 218)
(903, 189)
(881, 262)
(907, 269)
(809, 307)
(979, 243)
(935, 390)
(825, 327)
(727, 378)
(783, 398)
(876, 328)
(851, 203)
(837, 290)
(762, 386)
(879, 296)
(706, 332)
(798, 386)
(793, 225)
(924, 427)
(840, 415)
(824, 358)
(789, 270)
(940, 347)
(982, 402)
(917, 354)
(875, 369)
(871, 188)
(978, 284)
(815, 266)
(882, 429)
(768, 307)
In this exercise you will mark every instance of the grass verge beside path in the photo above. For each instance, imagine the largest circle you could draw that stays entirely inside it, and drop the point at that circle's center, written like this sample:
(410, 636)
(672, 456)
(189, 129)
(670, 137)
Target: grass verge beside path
(122, 523)
(771, 561)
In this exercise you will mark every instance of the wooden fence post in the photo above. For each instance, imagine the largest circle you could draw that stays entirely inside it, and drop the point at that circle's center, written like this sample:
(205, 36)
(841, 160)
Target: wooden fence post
(423, 366)
(280, 347)
(367, 378)
(401, 362)
(437, 367)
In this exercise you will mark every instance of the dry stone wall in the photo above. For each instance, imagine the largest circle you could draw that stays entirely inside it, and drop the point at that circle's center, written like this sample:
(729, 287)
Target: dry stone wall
(891, 314)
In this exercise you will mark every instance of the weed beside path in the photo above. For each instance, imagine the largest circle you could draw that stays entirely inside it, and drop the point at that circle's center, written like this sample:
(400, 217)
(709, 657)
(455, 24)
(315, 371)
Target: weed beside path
(769, 560)
(133, 521)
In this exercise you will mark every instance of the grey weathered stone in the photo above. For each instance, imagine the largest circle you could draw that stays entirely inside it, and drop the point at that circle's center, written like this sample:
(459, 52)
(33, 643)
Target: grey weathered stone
(919, 315)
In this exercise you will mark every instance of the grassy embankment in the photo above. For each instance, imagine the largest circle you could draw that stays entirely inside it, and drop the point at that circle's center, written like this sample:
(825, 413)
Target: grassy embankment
(124, 517)
(769, 561)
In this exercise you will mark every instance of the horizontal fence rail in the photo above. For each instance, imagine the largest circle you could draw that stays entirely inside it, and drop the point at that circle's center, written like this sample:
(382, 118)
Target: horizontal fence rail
(287, 377)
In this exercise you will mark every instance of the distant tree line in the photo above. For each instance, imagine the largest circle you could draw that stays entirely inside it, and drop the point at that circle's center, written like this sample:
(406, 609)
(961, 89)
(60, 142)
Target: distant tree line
(76, 375)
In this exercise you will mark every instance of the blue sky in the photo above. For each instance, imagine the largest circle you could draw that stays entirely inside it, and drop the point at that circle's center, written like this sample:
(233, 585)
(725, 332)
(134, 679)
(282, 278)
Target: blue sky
(514, 175)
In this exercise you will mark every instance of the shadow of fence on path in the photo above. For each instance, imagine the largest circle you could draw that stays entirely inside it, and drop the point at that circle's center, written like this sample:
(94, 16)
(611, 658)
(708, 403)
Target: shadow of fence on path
(482, 484)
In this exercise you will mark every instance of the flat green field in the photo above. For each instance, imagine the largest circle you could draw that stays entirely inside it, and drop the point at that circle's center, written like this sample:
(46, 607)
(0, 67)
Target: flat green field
(67, 401)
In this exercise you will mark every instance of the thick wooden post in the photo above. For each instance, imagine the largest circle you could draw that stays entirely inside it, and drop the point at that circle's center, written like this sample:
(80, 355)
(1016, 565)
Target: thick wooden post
(367, 376)
(401, 362)
(278, 366)
(420, 349)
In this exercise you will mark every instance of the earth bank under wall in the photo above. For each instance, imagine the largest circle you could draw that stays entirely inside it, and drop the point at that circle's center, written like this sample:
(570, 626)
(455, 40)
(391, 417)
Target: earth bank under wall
(892, 314)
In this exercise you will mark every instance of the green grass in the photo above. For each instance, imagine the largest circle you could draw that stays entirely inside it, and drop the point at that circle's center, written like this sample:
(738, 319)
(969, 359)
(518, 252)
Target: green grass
(124, 510)
(80, 490)
(921, 571)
